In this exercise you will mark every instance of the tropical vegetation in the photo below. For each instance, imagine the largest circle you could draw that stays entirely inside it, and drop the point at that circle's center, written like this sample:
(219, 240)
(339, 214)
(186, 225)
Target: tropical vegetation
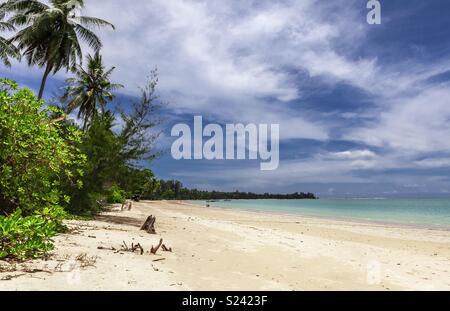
(90, 89)
(51, 34)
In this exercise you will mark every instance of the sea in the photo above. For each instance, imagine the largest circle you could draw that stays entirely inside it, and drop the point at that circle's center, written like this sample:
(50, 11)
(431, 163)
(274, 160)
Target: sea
(427, 212)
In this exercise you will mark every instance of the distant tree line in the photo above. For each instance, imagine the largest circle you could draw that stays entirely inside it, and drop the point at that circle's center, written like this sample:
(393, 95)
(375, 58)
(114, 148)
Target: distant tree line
(174, 190)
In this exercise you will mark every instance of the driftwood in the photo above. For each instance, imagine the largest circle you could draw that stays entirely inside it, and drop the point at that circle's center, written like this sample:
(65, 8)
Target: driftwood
(127, 205)
(106, 248)
(133, 248)
(155, 249)
(159, 259)
(149, 225)
(166, 249)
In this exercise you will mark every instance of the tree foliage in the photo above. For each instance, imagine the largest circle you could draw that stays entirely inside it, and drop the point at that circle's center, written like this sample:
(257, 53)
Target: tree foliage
(138, 134)
(35, 155)
(50, 35)
(90, 89)
(114, 154)
(7, 48)
(38, 158)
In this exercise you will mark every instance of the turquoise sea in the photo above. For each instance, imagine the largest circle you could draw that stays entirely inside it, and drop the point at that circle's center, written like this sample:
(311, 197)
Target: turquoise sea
(420, 212)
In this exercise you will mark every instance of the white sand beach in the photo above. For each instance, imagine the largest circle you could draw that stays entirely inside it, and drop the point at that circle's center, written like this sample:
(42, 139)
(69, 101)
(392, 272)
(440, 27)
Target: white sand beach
(218, 249)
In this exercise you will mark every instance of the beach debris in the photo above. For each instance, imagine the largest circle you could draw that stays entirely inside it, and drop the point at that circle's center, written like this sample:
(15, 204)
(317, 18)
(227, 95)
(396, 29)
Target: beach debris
(155, 269)
(155, 249)
(35, 270)
(149, 225)
(107, 248)
(166, 249)
(86, 261)
(133, 248)
(179, 284)
(127, 205)
(159, 259)
(10, 277)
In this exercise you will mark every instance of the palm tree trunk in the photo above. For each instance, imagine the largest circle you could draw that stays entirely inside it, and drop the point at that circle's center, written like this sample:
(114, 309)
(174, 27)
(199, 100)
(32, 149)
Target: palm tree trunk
(44, 80)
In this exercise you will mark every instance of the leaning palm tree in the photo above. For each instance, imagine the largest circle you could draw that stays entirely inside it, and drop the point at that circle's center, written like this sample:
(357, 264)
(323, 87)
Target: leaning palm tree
(7, 49)
(90, 90)
(52, 33)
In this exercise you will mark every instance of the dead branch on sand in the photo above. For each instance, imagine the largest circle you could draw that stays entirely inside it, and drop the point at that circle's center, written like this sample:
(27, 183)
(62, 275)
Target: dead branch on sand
(106, 248)
(159, 259)
(166, 249)
(155, 249)
(133, 248)
(10, 277)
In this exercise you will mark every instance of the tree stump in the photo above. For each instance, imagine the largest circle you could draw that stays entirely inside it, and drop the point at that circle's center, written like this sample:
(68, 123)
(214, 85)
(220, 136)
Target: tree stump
(127, 205)
(149, 225)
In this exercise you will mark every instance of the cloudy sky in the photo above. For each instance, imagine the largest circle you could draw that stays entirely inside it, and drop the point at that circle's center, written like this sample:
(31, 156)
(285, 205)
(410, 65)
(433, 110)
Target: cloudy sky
(364, 110)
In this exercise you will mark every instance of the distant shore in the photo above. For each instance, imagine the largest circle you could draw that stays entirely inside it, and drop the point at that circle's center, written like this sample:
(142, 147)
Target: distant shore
(223, 249)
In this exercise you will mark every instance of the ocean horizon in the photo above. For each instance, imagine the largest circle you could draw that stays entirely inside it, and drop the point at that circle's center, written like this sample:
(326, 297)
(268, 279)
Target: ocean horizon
(421, 212)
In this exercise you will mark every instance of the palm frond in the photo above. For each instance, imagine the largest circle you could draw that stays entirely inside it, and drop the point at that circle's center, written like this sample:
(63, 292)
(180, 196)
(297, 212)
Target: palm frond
(92, 22)
(24, 6)
(89, 37)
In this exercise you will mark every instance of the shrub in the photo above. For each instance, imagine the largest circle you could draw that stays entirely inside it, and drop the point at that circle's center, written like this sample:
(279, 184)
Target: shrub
(36, 152)
(39, 157)
(116, 195)
(30, 236)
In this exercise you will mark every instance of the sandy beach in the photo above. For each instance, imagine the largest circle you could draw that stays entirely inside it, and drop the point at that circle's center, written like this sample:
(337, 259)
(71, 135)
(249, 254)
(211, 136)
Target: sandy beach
(219, 249)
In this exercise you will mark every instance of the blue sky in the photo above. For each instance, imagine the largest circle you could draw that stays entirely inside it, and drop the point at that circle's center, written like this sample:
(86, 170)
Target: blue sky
(363, 109)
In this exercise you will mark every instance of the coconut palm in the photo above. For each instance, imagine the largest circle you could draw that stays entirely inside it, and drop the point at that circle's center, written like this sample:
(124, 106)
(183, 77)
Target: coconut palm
(7, 49)
(90, 90)
(52, 33)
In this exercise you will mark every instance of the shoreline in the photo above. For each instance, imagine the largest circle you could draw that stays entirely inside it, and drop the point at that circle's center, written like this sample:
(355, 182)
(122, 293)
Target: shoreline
(216, 249)
(331, 218)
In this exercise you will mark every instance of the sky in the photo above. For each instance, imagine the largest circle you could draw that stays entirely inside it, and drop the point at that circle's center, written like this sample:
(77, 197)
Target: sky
(364, 110)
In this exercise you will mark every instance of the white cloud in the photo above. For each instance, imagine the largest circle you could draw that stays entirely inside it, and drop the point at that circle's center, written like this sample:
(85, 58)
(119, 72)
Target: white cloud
(418, 124)
(433, 163)
(222, 58)
(352, 154)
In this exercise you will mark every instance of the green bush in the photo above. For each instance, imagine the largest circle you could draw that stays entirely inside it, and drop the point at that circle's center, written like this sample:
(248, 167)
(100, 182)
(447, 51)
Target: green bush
(37, 153)
(30, 236)
(39, 159)
(116, 195)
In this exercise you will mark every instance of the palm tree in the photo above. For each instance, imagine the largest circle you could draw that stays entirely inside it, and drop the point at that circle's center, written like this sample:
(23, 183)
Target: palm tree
(90, 90)
(7, 49)
(52, 33)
